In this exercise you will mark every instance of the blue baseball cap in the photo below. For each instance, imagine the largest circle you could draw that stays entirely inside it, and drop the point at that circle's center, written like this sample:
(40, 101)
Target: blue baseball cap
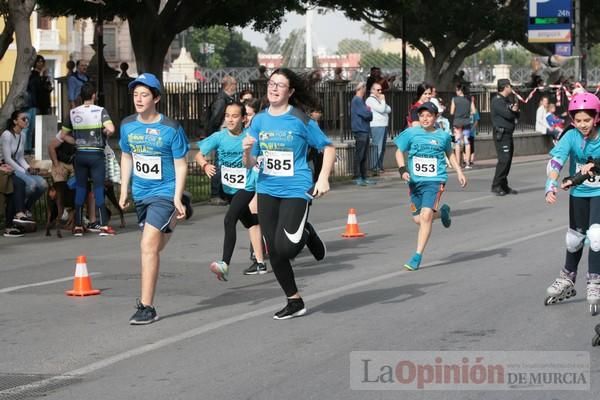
(146, 79)
(429, 106)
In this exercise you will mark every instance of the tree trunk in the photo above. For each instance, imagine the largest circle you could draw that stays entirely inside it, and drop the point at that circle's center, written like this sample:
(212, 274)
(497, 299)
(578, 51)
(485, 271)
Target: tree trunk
(20, 13)
(151, 41)
(6, 37)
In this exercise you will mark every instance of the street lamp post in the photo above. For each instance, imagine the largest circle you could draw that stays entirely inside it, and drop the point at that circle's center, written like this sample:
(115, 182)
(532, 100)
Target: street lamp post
(99, 36)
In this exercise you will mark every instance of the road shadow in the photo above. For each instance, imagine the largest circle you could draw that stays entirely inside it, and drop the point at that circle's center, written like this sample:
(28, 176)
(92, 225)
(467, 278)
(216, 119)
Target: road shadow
(467, 211)
(470, 256)
(352, 243)
(393, 295)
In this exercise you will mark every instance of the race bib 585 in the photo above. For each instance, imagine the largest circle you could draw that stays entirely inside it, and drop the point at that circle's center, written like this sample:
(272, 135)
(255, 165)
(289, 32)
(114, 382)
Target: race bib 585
(278, 163)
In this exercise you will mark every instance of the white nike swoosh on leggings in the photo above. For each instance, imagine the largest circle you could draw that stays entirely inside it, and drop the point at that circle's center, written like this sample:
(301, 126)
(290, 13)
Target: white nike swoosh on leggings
(296, 236)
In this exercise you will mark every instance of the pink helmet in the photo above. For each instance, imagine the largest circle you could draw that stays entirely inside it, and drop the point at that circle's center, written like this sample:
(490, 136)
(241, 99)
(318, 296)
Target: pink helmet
(584, 101)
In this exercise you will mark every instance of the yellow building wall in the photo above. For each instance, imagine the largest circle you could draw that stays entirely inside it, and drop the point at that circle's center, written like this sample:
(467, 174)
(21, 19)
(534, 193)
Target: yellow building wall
(7, 64)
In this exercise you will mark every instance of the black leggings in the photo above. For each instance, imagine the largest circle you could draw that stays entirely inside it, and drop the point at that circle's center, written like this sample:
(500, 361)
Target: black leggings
(238, 211)
(282, 224)
(583, 212)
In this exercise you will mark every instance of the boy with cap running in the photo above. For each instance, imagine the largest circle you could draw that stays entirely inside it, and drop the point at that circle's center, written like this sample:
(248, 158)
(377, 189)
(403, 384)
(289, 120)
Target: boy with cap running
(427, 148)
(154, 149)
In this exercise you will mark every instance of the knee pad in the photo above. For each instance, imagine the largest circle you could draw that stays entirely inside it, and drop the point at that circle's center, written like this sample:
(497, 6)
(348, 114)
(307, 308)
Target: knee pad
(593, 235)
(575, 240)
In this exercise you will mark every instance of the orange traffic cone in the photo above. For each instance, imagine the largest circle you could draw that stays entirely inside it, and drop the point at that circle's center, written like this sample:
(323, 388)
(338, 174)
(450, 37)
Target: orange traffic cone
(82, 283)
(352, 229)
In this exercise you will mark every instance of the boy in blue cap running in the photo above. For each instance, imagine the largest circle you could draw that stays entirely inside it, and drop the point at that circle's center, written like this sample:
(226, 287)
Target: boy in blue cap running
(154, 159)
(425, 172)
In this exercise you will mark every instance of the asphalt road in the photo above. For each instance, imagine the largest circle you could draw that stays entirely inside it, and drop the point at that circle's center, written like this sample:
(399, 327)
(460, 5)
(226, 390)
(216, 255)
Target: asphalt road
(481, 289)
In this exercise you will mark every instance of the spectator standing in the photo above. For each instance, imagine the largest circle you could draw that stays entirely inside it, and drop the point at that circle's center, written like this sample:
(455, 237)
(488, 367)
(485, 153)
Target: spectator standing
(557, 124)
(461, 109)
(360, 117)
(246, 95)
(252, 108)
(215, 124)
(13, 153)
(505, 112)
(88, 127)
(424, 94)
(376, 76)
(38, 99)
(75, 82)
(315, 156)
(379, 123)
(70, 68)
(475, 118)
(541, 125)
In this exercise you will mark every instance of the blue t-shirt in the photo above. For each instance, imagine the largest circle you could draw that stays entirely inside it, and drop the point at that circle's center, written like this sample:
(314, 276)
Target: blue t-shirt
(281, 145)
(573, 145)
(426, 153)
(234, 175)
(154, 148)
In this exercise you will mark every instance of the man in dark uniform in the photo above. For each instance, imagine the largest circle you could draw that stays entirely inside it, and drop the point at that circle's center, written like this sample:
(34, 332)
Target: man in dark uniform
(505, 112)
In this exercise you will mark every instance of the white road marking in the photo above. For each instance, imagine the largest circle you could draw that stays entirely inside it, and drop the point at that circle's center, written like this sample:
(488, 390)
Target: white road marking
(15, 288)
(341, 228)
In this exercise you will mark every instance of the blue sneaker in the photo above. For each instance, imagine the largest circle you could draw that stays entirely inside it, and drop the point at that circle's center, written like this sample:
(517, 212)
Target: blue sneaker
(221, 269)
(369, 182)
(445, 216)
(360, 182)
(414, 263)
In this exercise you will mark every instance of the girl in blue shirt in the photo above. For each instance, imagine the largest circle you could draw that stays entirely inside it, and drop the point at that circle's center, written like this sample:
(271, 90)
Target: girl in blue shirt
(239, 186)
(578, 145)
(280, 136)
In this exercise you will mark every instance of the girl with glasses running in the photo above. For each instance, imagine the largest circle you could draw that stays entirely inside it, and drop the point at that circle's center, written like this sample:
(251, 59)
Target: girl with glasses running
(281, 135)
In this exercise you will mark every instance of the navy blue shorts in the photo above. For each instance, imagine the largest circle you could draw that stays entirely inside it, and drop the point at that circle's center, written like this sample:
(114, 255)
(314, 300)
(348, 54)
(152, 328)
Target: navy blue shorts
(156, 211)
(425, 195)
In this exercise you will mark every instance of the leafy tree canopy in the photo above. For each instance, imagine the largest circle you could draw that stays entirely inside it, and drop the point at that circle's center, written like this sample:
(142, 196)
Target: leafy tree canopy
(229, 49)
(444, 31)
(153, 24)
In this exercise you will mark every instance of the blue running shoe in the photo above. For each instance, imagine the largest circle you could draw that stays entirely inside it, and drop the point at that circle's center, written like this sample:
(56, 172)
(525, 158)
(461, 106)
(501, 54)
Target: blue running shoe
(414, 263)
(360, 182)
(221, 269)
(369, 182)
(445, 216)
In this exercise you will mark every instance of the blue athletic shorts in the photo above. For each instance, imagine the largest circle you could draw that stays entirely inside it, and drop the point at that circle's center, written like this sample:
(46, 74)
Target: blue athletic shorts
(156, 211)
(425, 195)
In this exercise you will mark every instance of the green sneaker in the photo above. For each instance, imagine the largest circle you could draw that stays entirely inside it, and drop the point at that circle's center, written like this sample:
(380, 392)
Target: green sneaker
(221, 269)
(445, 216)
(414, 263)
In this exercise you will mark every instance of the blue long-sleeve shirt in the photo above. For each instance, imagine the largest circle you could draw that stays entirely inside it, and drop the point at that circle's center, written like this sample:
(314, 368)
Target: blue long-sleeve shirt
(74, 84)
(360, 115)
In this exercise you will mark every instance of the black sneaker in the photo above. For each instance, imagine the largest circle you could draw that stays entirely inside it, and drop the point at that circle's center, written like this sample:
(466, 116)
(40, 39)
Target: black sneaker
(144, 315)
(13, 232)
(314, 243)
(21, 218)
(186, 199)
(94, 227)
(294, 308)
(256, 269)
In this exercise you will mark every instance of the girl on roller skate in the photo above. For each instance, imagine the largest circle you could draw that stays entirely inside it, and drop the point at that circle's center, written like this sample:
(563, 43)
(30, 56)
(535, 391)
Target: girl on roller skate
(580, 145)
